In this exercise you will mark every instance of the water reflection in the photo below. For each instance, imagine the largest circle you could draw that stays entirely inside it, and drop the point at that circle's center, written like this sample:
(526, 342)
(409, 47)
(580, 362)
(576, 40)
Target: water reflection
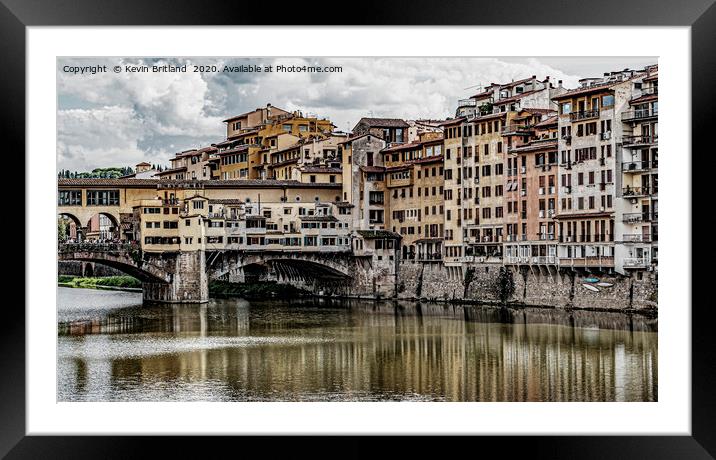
(233, 350)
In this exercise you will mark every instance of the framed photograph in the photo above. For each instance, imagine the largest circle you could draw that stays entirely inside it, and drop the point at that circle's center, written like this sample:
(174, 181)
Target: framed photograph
(444, 221)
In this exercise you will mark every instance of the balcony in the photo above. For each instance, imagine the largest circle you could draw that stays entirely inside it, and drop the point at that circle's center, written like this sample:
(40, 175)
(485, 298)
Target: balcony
(430, 257)
(640, 114)
(639, 140)
(584, 115)
(636, 238)
(589, 261)
(516, 129)
(638, 166)
(638, 217)
(635, 192)
(543, 260)
(636, 262)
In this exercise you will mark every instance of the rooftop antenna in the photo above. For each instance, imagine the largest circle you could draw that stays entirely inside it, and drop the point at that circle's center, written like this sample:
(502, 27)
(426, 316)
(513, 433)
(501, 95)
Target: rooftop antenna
(478, 86)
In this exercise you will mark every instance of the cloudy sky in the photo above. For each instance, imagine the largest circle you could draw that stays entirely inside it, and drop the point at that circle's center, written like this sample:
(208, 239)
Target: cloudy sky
(120, 119)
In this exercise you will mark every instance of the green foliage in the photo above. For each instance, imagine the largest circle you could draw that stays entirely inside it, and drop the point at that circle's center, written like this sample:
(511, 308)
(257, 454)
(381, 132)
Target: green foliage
(124, 281)
(485, 108)
(62, 229)
(97, 173)
(504, 286)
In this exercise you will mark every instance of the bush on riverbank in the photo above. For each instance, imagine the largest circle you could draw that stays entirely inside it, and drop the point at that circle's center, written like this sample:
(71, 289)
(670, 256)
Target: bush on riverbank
(260, 290)
(109, 281)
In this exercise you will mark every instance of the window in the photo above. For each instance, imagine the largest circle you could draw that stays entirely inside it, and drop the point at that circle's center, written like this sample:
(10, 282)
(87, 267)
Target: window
(607, 101)
(565, 108)
(69, 198)
(102, 197)
(197, 204)
(376, 198)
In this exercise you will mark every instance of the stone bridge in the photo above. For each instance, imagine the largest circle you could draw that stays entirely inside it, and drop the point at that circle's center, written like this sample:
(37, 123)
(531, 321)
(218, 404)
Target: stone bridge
(175, 277)
(184, 276)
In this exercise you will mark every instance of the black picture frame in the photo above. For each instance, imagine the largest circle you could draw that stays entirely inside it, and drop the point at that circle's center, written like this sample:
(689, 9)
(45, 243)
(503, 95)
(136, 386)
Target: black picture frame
(700, 15)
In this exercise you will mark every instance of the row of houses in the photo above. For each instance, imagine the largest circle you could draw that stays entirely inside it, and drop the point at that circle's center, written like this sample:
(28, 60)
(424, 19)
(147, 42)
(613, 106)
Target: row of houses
(527, 172)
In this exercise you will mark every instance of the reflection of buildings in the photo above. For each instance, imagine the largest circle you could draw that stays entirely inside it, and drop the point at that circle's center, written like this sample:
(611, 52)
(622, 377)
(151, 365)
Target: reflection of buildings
(238, 353)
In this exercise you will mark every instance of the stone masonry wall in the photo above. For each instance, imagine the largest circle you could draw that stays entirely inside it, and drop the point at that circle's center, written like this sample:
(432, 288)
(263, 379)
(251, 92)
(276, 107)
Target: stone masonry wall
(533, 286)
(189, 282)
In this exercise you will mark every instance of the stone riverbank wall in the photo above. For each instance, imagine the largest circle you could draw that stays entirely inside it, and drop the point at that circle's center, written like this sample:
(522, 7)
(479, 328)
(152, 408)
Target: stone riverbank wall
(533, 286)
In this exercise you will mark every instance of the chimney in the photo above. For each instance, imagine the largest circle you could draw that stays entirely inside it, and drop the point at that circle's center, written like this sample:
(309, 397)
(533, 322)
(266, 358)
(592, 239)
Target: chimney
(559, 83)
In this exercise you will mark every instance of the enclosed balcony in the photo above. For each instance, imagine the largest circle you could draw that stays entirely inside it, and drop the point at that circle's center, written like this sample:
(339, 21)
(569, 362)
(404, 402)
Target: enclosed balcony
(589, 261)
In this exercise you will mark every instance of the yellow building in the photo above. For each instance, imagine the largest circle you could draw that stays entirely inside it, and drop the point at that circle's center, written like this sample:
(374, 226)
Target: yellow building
(252, 138)
(414, 180)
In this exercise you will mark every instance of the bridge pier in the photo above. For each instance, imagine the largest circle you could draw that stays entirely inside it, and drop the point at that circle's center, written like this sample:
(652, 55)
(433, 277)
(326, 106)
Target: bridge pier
(188, 283)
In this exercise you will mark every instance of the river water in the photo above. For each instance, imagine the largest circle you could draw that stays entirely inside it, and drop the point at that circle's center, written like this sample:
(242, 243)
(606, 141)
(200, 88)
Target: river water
(112, 348)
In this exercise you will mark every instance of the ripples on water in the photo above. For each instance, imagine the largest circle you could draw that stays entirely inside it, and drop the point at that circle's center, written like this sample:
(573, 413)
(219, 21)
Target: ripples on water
(111, 348)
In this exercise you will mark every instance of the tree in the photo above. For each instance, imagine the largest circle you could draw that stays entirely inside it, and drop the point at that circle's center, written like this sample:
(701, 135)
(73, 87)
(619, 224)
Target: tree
(504, 285)
(485, 108)
(63, 229)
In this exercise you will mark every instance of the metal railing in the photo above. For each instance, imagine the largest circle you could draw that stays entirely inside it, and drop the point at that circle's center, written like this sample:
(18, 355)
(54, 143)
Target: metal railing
(638, 191)
(641, 165)
(637, 217)
(516, 128)
(639, 114)
(639, 140)
(635, 262)
(584, 115)
(636, 238)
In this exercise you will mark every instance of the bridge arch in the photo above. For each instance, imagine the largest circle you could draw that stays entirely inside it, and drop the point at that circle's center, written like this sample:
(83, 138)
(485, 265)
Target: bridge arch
(123, 261)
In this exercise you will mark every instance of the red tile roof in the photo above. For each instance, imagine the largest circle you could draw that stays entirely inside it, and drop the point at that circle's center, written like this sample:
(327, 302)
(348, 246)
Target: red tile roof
(452, 121)
(384, 122)
(516, 97)
(645, 98)
(547, 121)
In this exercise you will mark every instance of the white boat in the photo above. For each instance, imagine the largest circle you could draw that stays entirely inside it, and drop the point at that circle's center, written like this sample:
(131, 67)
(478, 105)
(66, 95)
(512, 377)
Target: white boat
(590, 287)
(605, 284)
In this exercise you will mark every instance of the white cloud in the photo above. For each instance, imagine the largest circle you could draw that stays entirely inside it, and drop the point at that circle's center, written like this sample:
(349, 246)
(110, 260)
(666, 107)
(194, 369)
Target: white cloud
(140, 116)
(106, 136)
